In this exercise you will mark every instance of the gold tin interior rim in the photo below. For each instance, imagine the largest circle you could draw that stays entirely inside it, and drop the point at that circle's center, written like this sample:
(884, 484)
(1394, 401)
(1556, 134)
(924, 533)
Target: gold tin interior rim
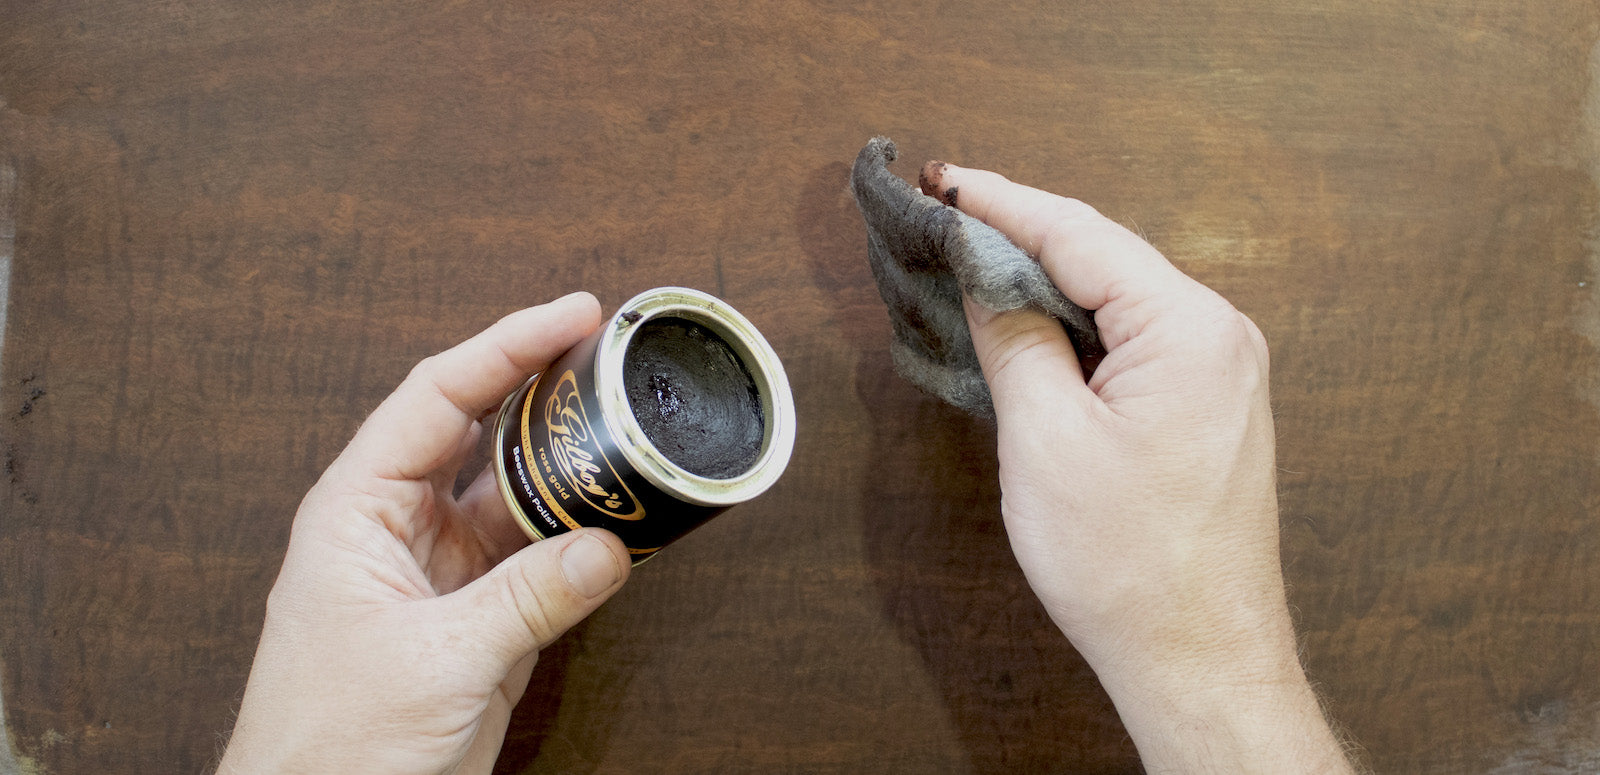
(772, 384)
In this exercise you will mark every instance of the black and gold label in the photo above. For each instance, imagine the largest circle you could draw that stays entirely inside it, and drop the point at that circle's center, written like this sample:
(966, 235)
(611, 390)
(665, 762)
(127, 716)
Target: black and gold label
(574, 463)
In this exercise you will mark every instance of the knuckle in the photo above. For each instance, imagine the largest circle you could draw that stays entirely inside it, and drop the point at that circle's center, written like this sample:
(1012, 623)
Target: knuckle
(1063, 222)
(1258, 341)
(1236, 333)
(1071, 209)
(432, 376)
(1014, 342)
(1238, 347)
(423, 372)
(536, 605)
(1218, 340)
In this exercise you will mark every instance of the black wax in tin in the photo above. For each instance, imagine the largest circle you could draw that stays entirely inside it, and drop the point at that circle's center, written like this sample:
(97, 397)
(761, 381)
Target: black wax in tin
(692, 395)
(694, 398)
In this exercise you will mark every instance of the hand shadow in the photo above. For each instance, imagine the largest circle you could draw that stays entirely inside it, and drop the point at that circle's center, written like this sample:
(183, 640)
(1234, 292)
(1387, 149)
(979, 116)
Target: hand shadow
(1020, 697)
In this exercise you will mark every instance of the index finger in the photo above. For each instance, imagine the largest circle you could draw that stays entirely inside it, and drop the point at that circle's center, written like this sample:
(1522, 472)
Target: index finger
(420, 426)
(1095, 261)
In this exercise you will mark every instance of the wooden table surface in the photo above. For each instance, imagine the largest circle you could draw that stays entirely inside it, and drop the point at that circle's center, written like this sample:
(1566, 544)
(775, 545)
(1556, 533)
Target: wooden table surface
(230, 229)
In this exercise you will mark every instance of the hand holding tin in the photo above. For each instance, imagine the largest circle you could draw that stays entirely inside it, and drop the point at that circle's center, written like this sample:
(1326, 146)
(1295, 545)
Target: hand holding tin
(1141, 502)
(406, 620)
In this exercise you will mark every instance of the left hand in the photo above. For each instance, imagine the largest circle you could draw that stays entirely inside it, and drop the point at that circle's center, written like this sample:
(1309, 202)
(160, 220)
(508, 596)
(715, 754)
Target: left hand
(405, 622)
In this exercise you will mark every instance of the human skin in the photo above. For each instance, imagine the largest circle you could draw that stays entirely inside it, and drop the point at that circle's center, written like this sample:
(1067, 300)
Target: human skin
(1141, 503)
(405, 622)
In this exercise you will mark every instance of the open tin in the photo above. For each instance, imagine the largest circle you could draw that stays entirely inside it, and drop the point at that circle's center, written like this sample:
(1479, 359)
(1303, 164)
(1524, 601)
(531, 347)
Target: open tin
(571, 450)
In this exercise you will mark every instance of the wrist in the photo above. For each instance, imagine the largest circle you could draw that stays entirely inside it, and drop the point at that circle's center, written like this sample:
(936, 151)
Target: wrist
(1269, 727)
(1248, 708)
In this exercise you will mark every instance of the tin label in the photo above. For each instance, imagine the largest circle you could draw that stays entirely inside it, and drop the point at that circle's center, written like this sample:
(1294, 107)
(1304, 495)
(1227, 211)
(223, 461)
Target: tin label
(574, 464)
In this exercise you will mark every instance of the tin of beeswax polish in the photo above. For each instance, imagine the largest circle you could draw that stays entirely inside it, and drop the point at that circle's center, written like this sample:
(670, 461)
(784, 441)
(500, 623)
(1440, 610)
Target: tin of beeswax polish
(673, 411)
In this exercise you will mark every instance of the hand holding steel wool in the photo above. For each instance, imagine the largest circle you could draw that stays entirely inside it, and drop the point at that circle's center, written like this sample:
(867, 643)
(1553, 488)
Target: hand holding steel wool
(925, 253)
(1140, 501)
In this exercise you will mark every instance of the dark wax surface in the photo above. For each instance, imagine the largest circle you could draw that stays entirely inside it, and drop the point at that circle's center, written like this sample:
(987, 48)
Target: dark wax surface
(694, 398)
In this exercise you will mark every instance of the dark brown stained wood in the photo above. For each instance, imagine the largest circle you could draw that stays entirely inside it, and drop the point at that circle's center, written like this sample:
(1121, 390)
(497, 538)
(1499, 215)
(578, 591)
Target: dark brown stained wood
(238, 225)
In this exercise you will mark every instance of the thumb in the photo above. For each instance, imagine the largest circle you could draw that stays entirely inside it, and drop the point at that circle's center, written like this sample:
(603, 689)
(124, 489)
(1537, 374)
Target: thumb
(535, 595)
(1026, 357)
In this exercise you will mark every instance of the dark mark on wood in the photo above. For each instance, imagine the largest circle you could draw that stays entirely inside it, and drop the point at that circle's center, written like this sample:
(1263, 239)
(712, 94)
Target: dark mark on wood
(34, 394)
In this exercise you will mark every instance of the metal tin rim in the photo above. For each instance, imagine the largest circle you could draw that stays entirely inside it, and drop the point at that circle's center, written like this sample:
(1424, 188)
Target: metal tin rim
(772, 384)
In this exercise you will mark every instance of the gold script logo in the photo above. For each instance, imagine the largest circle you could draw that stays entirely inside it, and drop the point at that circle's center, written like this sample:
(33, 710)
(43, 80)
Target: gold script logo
(578, 455)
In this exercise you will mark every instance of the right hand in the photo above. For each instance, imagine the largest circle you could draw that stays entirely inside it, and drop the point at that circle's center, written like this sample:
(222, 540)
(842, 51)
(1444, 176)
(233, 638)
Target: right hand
(1141, 503)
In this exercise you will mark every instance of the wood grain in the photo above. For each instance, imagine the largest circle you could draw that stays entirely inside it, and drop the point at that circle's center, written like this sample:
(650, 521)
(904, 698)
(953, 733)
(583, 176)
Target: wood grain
(238, 225)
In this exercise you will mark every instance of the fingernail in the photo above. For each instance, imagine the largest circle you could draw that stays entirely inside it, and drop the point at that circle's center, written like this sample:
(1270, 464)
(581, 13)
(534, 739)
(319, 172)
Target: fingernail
(589, 566)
